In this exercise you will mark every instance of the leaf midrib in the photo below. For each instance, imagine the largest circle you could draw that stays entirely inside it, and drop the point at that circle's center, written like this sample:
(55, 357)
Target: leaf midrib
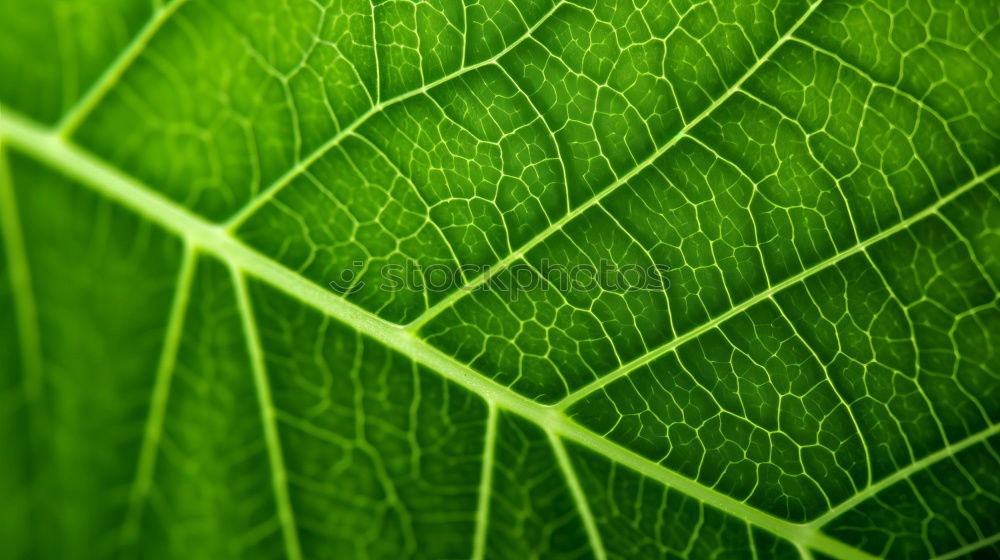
(58, 152)
(61, 155)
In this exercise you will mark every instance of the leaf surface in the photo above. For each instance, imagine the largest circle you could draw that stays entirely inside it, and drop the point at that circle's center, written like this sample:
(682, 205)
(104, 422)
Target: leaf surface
(182, 181)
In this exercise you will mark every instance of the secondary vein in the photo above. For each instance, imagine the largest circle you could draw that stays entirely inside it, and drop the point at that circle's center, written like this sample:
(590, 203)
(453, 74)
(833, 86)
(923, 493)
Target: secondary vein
(148, 448)
(773, 290)
(25, 310)
(274, 188)
(113, 73)
(558, 225)
(904, 473)
(279, 474)
(579, 497)
(485, 485)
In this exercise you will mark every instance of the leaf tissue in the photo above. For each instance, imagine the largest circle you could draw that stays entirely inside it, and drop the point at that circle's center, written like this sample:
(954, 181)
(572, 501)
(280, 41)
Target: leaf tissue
(500, 279)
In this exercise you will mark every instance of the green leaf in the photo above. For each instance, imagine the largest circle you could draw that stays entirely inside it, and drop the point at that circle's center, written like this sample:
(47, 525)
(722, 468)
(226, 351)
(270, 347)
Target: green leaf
(186, 373)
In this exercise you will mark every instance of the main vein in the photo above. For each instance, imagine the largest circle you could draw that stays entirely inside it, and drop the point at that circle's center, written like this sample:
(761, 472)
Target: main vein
(54, 149)
(211, 238)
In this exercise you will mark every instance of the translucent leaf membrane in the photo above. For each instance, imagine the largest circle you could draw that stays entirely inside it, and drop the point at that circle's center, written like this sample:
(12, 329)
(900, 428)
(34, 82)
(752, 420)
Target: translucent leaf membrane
(202, 354)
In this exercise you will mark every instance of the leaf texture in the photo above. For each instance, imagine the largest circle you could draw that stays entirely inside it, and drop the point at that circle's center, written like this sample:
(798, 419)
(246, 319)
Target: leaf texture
(182, 180)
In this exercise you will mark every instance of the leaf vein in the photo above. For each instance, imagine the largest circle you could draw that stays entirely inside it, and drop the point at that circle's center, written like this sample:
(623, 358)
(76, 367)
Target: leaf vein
(111, 182)
(454, 296)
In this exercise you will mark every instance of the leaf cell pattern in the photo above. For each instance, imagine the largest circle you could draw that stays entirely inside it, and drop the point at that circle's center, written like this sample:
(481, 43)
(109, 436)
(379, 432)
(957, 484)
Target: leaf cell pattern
(181, 181)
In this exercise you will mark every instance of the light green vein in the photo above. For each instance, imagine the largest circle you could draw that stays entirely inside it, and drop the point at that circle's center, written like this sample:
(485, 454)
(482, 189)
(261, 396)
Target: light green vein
(113, 73)
(485, 485)
(579, 498)
(274, 188)
(773, 290)
(153, 431)
(35, 414)
(279, 475)
(25, 311)
(970, 548)
(558, 225)
(902, 474)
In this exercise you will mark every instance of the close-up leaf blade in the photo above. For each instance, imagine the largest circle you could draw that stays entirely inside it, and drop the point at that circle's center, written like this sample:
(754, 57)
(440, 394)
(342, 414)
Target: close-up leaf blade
(492, 279)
